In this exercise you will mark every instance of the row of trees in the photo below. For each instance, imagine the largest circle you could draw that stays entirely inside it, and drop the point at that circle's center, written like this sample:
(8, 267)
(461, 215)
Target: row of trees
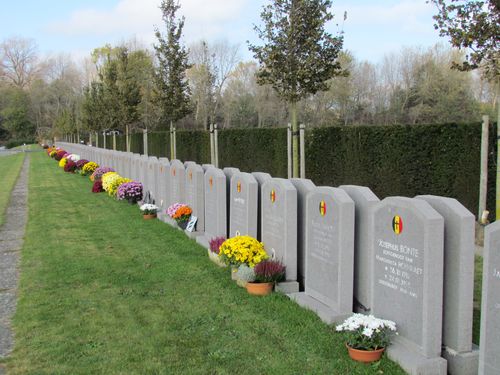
(129, 87)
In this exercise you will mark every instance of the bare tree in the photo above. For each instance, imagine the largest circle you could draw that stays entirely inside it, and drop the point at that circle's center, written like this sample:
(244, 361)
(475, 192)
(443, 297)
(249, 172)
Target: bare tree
(19, 61)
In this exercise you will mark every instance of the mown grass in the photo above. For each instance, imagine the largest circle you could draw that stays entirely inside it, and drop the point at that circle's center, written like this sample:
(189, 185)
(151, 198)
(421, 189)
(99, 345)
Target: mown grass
(9, 171)
(103, 291)
(31, 147)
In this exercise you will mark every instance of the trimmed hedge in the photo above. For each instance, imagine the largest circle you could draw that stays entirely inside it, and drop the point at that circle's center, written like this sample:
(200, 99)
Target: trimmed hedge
(391, 160)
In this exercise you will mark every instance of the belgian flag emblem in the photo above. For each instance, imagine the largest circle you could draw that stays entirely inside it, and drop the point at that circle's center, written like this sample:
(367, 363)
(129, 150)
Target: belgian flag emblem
(273, 195)
(322, 208)
(211, 182)
(173, 172)
(397, 224)
(190, 175)
(238, 187)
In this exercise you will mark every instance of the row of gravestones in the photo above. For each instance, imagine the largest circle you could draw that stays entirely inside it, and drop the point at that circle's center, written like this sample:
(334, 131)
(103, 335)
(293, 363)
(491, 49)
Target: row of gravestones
(410, 260)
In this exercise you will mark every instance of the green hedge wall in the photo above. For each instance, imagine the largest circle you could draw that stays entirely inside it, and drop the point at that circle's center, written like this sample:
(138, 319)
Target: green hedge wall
(391, 160)
(254, 150)
(403, 160)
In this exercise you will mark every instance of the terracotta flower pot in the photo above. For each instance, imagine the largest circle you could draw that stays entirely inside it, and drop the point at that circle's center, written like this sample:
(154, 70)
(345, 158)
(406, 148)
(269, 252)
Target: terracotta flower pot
(149, 216)
(259, 289)
(365, 356)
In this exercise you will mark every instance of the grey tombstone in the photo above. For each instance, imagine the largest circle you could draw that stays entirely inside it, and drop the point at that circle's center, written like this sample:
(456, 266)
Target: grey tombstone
(195, 197)
(243, 210)
(489, 353)
(303, 187)
(177, 186)
(229, 172)
(206, 166)
(152, 173)
(330, 254)
(136, 167)
(143, 163)
(177, 182)
(128, 164)
(279, 228)
(163, 183)
(364, 202)
(188, 163)
(458, 285)
(215, 206)
(261, 178)
(407, 280)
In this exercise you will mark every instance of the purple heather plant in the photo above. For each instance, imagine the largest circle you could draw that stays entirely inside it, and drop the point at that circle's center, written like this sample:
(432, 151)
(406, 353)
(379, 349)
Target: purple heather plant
(269, 271)
(131, 191)
(215, 244)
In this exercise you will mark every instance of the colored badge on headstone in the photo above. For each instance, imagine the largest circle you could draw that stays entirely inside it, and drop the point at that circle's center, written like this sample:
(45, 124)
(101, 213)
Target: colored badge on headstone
(190, 175)
(173, 171)
(211, 182)
(397, 224)
(322, 208)
(273, 195)
(238, 187)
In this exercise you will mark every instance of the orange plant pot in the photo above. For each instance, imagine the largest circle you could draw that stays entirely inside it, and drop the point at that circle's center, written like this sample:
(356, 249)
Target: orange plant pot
(149, 216)
(365, 356)
(259, 289)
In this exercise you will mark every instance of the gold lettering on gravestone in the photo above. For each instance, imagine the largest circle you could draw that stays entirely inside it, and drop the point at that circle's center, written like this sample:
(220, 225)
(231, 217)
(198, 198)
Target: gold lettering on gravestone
(322, 240)
(399, 269)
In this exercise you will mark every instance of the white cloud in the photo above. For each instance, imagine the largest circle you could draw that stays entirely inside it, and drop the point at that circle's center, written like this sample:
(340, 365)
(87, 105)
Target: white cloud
(204, 19)
(406, 15)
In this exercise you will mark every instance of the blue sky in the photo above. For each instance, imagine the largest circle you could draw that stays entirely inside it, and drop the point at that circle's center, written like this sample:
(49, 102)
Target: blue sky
(373, 28)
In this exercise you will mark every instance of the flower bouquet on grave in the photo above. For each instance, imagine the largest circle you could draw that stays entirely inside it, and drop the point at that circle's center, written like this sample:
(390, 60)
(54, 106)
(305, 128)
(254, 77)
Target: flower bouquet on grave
(240, 250)
(80, 164)
(367, 336)
(266, 274)
(214, 249)
(99, 172)
(148, 210)
(89, 168)
(181, 213)
(130, 191)
(70, 166)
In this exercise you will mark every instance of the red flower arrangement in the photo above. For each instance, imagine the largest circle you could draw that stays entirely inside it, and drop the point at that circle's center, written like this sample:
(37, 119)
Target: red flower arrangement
(97, 187)
(60, 155)
(70, 166)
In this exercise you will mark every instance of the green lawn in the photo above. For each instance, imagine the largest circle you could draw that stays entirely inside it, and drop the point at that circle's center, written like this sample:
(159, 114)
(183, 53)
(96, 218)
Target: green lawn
(28, 147)
(103, 291)
(9, 171)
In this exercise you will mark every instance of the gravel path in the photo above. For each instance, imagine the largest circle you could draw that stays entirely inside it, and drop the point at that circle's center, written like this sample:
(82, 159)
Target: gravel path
(11, 242)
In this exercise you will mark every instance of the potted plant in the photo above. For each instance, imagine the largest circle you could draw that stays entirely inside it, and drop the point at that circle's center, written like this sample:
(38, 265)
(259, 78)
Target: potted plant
(240, 250)
(181, 213)
(367, 336)
(89, 168)
(244, 275)
(267, 273)
(148, 211)
(130, 191)
(214, 249)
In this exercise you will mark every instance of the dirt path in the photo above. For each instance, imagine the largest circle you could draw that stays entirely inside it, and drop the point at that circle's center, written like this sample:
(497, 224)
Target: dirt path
(11, 242)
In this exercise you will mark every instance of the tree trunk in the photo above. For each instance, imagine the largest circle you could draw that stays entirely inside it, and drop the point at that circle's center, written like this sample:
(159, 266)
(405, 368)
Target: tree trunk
(295, 140)
(127, 144)
(483, 181)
